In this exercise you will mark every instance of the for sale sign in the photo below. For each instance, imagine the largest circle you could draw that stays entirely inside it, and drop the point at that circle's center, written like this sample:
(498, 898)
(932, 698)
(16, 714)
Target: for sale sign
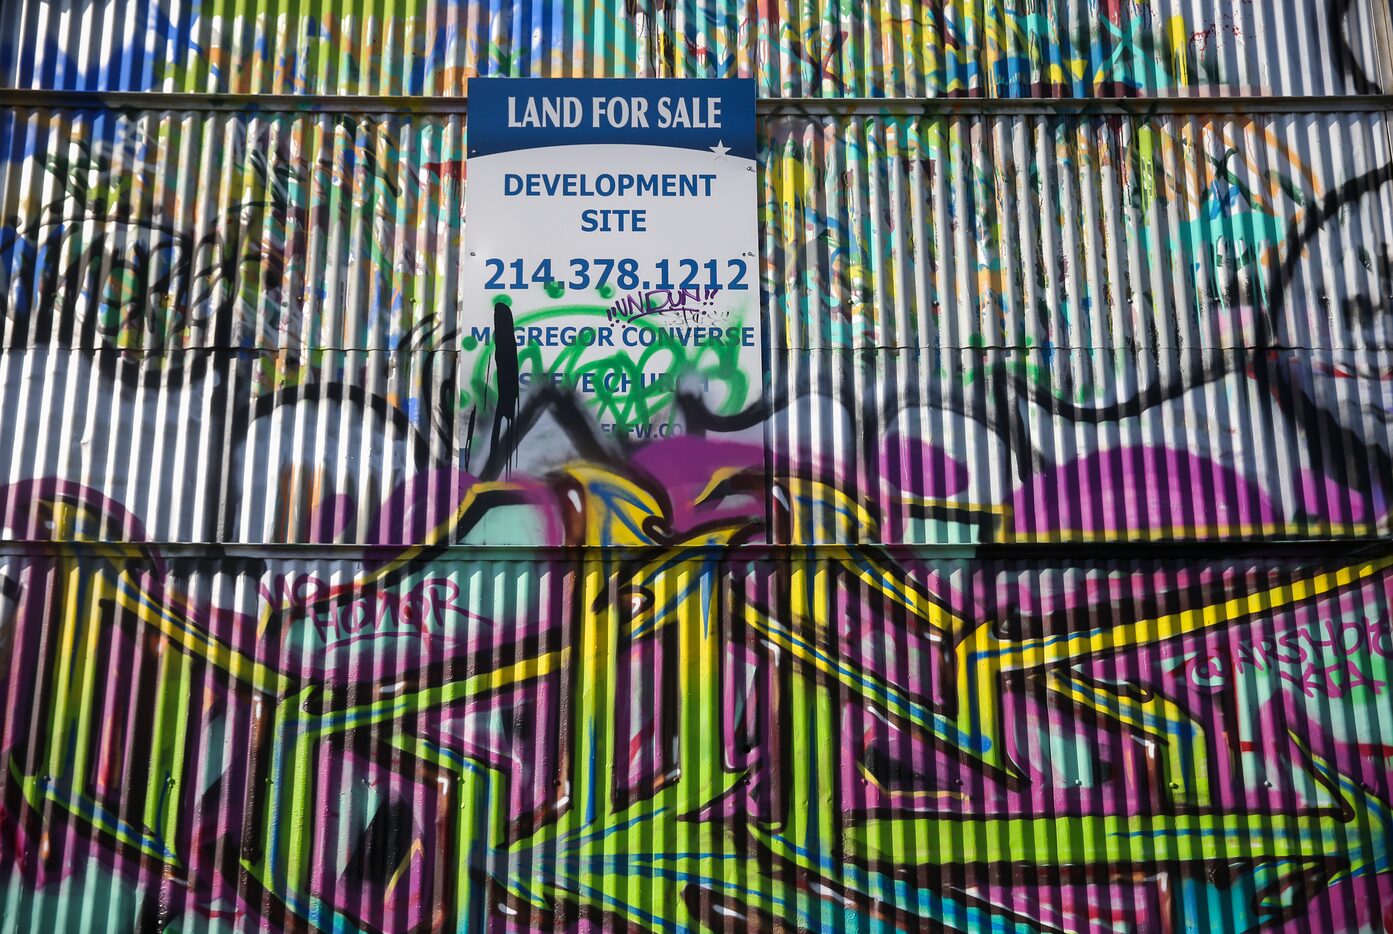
(610, 235)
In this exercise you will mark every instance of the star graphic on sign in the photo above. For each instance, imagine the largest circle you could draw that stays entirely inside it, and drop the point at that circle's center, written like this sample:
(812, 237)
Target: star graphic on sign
(720, 148)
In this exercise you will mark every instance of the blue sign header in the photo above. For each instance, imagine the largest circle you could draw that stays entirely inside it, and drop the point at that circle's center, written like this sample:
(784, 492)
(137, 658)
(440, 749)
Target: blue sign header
(709, 114)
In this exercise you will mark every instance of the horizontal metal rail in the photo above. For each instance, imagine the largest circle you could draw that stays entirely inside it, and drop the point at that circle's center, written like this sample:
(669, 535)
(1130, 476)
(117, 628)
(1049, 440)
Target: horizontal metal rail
(1339, 549)
(1196, 104)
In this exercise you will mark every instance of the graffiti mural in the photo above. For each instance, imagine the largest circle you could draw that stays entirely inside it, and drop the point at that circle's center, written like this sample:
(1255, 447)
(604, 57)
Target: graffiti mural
(1043, 585)
(679, 733)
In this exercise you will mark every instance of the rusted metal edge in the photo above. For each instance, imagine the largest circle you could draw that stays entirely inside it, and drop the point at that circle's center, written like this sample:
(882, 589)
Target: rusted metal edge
(1228, 103)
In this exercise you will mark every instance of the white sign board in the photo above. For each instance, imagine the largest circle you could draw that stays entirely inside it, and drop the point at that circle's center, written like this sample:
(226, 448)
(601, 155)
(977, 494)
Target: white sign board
(611, 250)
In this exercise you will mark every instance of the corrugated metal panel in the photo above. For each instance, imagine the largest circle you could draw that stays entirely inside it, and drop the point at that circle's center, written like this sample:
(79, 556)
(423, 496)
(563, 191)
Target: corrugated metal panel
(984, 446)
(971, 446)
(1113, 232)
(668, 742)
(1117, 328)
(153, 231)
(988, 613)
(820, 48)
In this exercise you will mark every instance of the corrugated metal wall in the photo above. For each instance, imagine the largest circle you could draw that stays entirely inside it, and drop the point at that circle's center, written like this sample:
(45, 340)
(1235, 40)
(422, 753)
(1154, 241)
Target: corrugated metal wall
(814, 48)
(1044, 585)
